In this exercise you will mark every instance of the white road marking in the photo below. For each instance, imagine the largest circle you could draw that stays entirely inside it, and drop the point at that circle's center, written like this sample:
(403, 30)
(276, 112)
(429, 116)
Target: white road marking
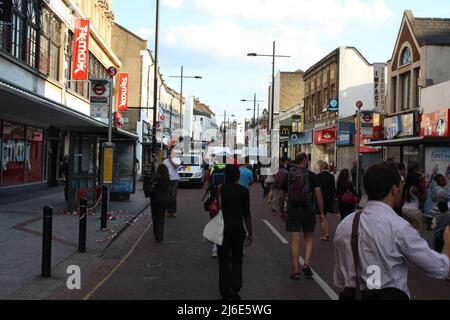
(325, 287)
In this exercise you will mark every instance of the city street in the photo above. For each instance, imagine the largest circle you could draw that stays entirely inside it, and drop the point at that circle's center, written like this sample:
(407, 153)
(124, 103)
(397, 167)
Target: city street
(181, 268)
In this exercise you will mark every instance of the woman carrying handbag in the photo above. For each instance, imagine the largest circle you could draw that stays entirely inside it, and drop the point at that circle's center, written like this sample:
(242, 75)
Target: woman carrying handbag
(347, 196)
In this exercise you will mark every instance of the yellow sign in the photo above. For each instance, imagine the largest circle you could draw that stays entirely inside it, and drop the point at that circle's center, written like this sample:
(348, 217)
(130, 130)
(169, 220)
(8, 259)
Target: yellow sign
(108, 160)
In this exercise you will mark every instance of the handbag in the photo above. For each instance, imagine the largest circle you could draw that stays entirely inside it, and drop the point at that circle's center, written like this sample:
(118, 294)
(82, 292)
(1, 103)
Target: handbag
(212, 204)
(349, 198)
(213, 231)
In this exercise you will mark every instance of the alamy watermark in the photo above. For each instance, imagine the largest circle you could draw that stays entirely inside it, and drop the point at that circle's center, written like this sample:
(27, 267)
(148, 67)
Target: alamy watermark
(74, 280)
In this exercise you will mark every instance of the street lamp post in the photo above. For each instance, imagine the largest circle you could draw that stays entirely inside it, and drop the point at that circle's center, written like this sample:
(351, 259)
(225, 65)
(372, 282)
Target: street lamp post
(155, 91)
(254, 115)
(273, 55)
(182, 76)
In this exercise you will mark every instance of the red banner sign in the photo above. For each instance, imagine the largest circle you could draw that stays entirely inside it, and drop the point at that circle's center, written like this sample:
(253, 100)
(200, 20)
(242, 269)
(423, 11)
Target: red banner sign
(436, 124)
(325, 136)
(80, 62)
(123, 92)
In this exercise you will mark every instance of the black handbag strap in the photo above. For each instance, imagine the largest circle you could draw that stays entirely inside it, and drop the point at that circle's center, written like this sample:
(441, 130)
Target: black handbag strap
(355, 250)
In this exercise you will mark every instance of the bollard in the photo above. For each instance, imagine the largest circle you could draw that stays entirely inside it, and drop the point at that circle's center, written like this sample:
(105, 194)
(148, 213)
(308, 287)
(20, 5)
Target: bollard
(47, 242)
(104, 218)
(83, 225)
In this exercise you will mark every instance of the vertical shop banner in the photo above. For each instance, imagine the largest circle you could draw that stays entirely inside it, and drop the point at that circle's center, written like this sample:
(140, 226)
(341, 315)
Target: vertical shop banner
(123, 92)
(5, 12)
(379, 82)
(80, 63)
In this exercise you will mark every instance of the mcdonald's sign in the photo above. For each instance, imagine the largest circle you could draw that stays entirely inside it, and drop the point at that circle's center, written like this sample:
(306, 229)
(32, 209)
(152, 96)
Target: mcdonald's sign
(285, 131)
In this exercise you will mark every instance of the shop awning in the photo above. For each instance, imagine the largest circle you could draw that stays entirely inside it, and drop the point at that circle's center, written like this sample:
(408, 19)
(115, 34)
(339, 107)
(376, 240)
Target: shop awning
(20, 105)
(412, 141)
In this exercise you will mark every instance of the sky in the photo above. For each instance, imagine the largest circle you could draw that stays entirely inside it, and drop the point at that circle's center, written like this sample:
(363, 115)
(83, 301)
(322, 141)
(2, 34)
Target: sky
(211, 38)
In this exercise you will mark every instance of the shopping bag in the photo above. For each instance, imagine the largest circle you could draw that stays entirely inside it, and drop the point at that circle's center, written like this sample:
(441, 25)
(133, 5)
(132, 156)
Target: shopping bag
(214, 229)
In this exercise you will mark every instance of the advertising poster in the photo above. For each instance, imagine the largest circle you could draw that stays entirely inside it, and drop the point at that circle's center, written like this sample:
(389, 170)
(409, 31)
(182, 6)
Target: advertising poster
(437, 161)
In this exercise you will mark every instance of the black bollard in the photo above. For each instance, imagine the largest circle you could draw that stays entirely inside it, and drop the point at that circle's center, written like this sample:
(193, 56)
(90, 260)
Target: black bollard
(104, 218)
(47, 242)
(83, 225)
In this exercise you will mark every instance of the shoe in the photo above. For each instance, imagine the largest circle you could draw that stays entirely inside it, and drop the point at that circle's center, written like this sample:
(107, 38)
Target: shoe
(295, 276)
(235, 295)
(307, 271)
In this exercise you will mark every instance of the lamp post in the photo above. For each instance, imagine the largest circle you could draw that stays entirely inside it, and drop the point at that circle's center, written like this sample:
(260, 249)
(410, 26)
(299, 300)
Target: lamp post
(155, 91)
(254, 114)
(182, 76)
(273, 55)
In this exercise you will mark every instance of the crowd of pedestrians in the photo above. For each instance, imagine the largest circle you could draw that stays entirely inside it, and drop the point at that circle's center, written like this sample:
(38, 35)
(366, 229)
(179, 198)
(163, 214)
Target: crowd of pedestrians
(386, 233)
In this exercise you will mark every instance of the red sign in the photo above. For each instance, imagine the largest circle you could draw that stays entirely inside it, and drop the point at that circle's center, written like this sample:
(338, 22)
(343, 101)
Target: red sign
(118, 120)
(112, 71)
(436, 124)
(80, 63)
(325, 136)
(359, 104)
(99, 89)
(123, 92)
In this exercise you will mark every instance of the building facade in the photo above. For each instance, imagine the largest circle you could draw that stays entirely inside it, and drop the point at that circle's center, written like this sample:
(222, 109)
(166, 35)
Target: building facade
(41, 106)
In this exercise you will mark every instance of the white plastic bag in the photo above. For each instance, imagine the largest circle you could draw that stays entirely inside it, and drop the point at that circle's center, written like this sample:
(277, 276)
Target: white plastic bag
(214, 230)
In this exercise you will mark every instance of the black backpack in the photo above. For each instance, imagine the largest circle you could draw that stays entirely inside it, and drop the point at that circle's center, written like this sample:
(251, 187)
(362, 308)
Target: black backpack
(217, 177)
(299, 189)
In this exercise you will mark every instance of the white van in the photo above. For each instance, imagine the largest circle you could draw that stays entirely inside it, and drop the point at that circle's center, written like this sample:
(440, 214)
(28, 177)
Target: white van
(192, 171)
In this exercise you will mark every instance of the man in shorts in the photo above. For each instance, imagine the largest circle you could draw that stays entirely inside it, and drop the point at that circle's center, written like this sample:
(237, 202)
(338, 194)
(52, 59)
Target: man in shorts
(304, 200)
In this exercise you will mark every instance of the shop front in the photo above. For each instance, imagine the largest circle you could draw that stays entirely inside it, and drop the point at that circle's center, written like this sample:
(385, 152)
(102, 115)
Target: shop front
(38, 133)
(301, 142)
(345, 145)
(324, 148)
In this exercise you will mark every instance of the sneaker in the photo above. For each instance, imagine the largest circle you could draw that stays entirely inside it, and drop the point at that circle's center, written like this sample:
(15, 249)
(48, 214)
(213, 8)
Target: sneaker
(307, 271)
(214, 252)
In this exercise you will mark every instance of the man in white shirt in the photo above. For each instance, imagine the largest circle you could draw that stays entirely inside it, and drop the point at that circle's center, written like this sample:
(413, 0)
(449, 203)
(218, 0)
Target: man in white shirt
(172, 165)
(386, 243)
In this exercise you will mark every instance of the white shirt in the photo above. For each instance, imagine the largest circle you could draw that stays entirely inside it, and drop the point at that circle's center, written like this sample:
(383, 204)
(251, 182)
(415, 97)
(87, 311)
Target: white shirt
(173, 171)
(388, 242)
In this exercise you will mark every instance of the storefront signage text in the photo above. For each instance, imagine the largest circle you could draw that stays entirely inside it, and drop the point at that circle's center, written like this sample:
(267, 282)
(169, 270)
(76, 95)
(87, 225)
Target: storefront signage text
(80, 66)
(325, 136)
(379, 86)
(346, 131)
(123, 91)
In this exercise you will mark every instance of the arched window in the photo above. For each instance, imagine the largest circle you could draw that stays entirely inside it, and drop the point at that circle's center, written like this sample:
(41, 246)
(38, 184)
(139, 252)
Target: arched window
(406, 57)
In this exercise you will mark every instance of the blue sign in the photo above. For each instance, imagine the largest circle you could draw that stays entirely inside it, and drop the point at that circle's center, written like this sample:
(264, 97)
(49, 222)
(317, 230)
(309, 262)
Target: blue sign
(346, 133)
(301, 138)
(393, 127)
(333, 105)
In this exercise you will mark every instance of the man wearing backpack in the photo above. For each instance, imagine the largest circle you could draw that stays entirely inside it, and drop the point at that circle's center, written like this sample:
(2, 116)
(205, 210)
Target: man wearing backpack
(304, 198)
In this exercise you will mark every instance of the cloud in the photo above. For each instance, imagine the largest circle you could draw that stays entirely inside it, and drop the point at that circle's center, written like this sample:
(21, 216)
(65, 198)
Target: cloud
(175, 4)
(145, 33)
(322, 13)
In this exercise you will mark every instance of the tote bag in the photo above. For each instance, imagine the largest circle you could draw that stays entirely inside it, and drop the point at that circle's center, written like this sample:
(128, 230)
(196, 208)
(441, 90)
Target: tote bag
(214, 229)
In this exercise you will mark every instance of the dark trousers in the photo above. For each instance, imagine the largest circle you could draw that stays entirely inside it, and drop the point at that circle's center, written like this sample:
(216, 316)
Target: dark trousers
(173, 191)
(159, 207)
(231, 254)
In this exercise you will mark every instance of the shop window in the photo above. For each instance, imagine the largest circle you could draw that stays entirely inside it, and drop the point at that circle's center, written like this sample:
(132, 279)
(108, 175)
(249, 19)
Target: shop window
(13, 154)
(34, 159)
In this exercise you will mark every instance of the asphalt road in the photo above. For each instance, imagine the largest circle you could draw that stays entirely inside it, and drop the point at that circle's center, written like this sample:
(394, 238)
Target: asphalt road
(181, 268)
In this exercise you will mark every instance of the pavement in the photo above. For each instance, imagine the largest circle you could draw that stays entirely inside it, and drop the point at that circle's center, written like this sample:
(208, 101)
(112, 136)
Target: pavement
(21, 220)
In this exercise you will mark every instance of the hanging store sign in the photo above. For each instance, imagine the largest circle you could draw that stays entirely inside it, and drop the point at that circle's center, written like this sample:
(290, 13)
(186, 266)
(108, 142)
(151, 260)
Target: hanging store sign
(436, 124)
(346, 131)
(123, 92)
(80, 63)
(285, 131)
(5, 12)
(297, 123)
(301, 138)
(325, 136)
(379, 82)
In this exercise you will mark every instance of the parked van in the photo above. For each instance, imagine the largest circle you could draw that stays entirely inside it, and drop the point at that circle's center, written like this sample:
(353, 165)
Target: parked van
(192, 171)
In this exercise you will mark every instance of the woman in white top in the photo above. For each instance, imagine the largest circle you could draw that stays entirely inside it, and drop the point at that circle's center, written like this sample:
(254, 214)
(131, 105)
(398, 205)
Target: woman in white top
(411, 209)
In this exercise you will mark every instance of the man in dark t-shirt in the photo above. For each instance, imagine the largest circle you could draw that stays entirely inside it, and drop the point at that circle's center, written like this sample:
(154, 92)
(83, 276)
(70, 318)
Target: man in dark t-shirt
(302, 218)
